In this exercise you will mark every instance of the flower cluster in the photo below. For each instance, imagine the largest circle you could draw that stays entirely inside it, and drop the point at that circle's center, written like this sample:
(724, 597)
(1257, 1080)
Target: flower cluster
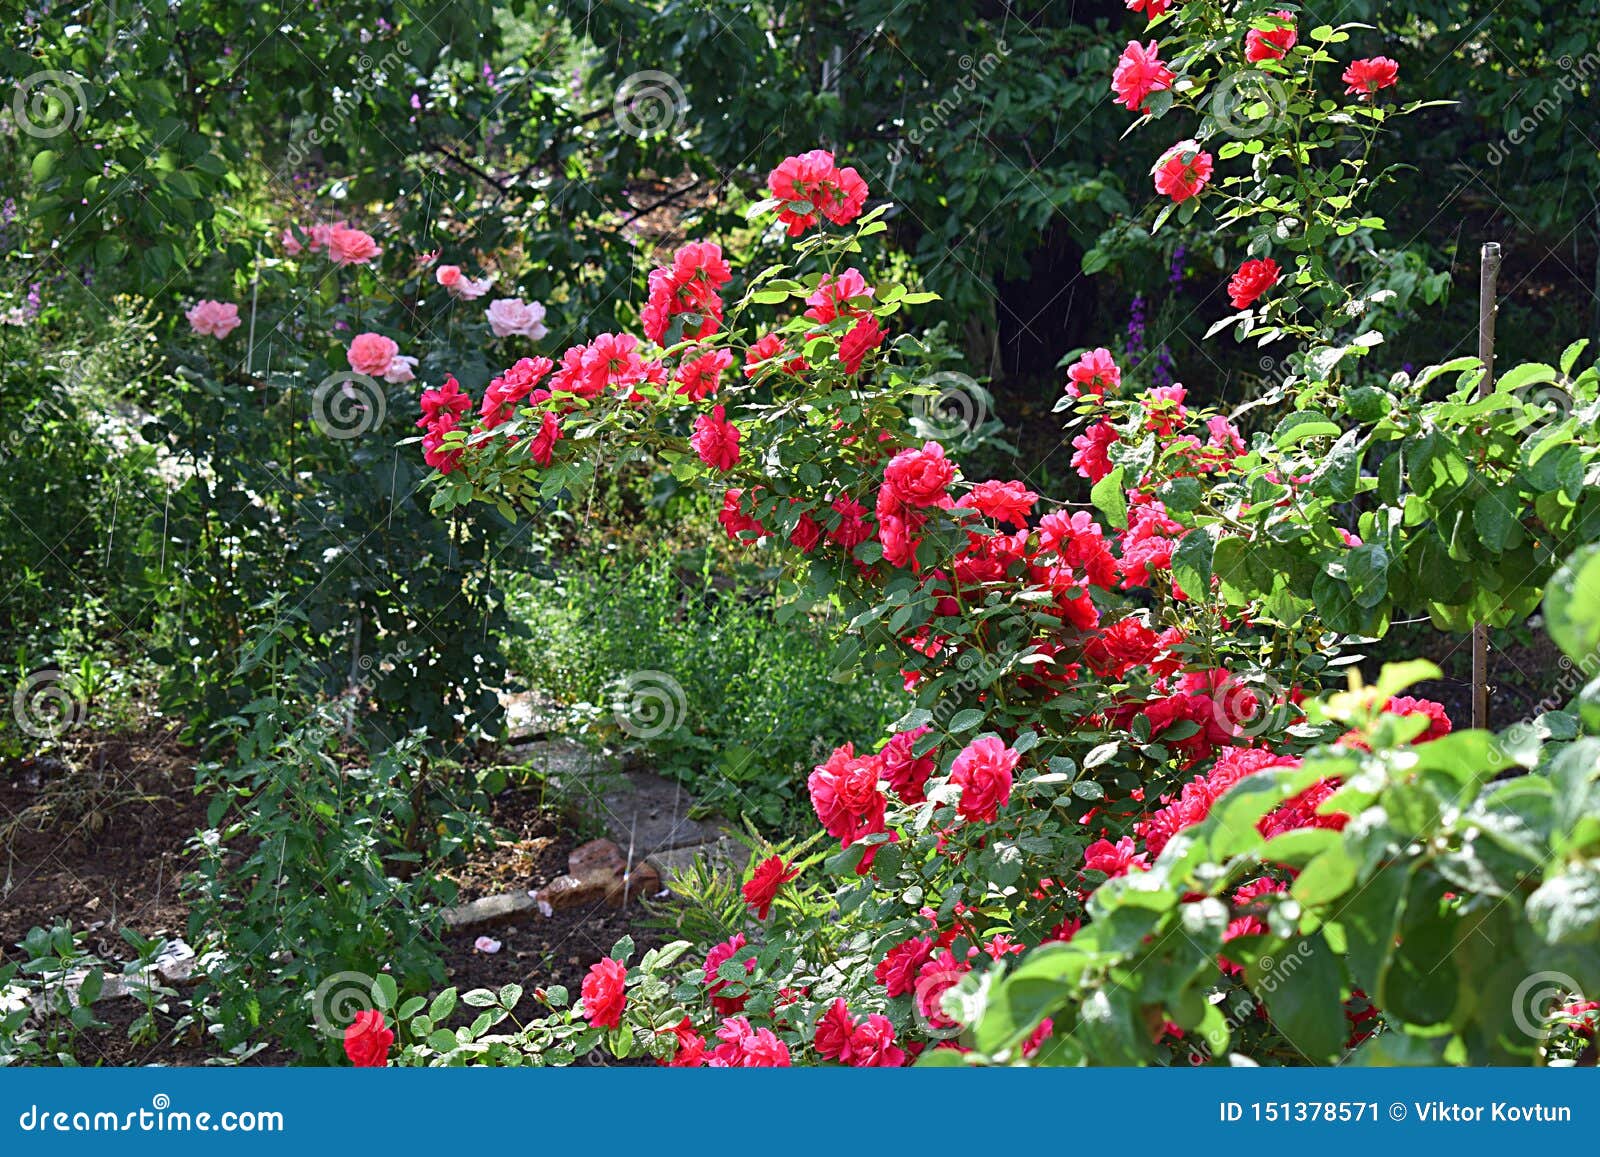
(1185, 169)
(343, 244)
(811, 186)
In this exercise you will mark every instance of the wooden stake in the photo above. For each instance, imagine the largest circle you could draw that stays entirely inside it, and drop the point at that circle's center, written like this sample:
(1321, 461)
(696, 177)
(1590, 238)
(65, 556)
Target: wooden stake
(1488, 278)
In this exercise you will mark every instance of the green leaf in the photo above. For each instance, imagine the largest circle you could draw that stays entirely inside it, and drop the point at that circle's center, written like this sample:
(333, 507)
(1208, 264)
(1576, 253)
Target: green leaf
(1300, 986)
(1109, 498)
(1298, 427)
(1497, 527)
(1191, 563)
(384, 991)
(965, 720)
(1326, 878)
(1369, 919)
(1420, 986)
(443, 1005)
(1566, 908)
(1572, 605)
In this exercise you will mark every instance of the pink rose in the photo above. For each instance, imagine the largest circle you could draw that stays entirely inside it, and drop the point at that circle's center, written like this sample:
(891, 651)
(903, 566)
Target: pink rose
(401, 369)
(213, 318)
(509, 315)
(460, 285)
(320, 233)
(348, 246)
(291, 243)
(375, 355)
(983, 772)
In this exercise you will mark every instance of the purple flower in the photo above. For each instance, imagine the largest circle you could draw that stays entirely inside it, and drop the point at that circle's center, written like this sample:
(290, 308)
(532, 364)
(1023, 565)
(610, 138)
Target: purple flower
(1136, 326)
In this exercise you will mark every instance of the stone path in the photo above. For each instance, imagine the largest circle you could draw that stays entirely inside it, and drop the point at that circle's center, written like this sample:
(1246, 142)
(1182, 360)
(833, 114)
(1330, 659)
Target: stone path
(644, 815)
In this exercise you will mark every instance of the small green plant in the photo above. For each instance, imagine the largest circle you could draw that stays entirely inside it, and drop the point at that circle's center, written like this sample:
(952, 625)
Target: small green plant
(65, 982)
(317, 873)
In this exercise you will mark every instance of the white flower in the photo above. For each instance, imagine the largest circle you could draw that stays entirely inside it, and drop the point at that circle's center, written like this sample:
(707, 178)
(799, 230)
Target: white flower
(508, 315)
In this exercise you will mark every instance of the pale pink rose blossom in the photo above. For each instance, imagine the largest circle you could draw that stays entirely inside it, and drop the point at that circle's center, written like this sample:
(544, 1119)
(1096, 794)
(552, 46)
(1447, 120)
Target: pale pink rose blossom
(348, 246)
(508, 315)
(291, 243)
(400, 369)
(487, 944)
(372, 354)
(213, 318)
(460, 285)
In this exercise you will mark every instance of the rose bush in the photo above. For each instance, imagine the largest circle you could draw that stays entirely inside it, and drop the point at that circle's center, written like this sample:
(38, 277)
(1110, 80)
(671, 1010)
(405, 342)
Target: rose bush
(1116, 738)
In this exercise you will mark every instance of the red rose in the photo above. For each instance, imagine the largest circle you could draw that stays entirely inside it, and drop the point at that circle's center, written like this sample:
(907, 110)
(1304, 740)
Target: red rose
(1252, 279)
(1272, 43)
(1365, 77)
(919, 477)
(770, 876)
(367, 1040)
(605, 993)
